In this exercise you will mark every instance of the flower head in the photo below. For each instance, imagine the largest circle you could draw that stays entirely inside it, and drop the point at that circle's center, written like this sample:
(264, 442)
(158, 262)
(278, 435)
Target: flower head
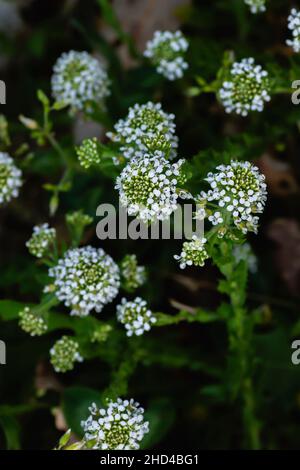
(247, 88)
(85, 279)
(135, 316)
(32, 322)
(294, 27)
(146, 128)
(64, 354)
(89, 152)
(166, 50)
(148, 187)
(78, 80)
(41, 240)
(193, 253)
(256, 6)
(133, 275)
(10, 178)
(239, 189)
(119, 426)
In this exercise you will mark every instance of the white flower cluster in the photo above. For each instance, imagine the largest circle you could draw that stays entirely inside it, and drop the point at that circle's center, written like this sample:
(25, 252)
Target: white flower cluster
(120, 426)
(247, 89)
(10, 178)
(193, 253)
(146, 127)
(294, 27)
(85, 279)
(79, 79)
(148, 187)
(239, 189)
(256, 6)
(42, 238)
(132, 275)
(244, 253)
(166, 51)
(135, 316)
(64, 354)
(32, 323)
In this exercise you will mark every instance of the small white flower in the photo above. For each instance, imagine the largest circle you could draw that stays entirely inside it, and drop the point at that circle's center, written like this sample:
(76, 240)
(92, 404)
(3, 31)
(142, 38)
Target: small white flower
(247, 89)
(10, 178)
(86, 279)
(166, 50)
(146, 128)
(135, 316)
(193, 253)
(120, 426)
(78, 80)
(148, 187)
(256, 6)
(294, 27)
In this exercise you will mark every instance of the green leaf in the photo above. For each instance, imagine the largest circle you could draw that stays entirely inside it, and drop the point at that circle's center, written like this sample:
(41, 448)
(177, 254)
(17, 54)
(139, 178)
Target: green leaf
(65, 438)
(11, 429)
(43, 98)
(9, 309)
(75, 404)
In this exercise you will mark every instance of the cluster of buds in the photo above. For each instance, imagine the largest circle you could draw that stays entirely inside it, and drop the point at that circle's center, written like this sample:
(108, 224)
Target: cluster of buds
(32, 322)
(89, 152)
(43, 238)
(132, 275)
(64, 354)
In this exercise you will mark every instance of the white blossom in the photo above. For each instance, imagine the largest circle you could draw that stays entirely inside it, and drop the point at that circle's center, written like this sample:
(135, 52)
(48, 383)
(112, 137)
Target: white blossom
(85, 279)
(119, 426)
(247, 89)
(146, 128)
(239, 190)
(135, 316)
(256, 6)
(148, 187)
(78, 80)
(294, 27)
(10, 178)
(166, 50)
(193, 253)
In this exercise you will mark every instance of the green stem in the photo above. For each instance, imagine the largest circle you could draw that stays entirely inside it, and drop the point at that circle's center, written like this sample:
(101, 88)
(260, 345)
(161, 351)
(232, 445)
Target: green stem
(240, 330)
(200, 316)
